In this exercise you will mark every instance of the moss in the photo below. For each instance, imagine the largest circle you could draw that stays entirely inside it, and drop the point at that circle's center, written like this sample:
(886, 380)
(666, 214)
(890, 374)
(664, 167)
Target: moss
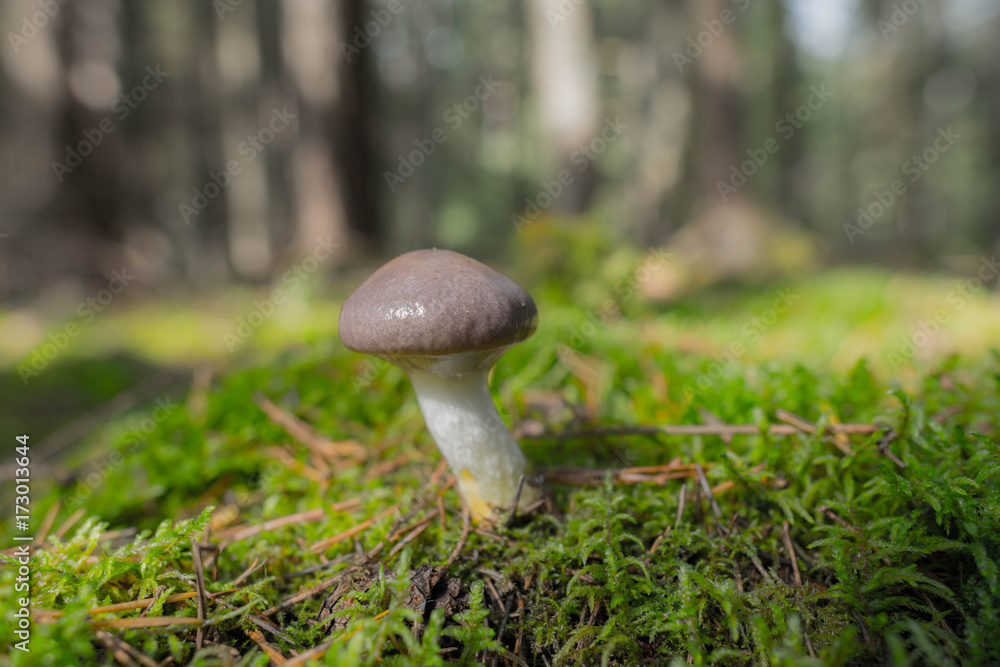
(897, 565)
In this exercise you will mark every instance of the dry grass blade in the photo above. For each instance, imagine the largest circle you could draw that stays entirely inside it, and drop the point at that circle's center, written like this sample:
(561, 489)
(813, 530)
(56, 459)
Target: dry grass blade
(274, 654)
(412, 535)
(517, 499)
(806, 426)
(156, 596)
(578, 476)
(466, 526)
(199, 573)
(703, 429)
(69, 523)
(309, 592)
(314, 653)
(302, 432)
(801, 423)
(883, 448)
(707, 489)
(44, 615)
(147, 622)
(50, 518)
(118, 652)
(261, 623)
(791, 553)
(254, 566)
(323, 545)
(680, 513)
(124, 652)
(309, 516)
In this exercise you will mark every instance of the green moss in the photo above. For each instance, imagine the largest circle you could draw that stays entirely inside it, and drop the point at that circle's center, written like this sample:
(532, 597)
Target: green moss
(898, 565)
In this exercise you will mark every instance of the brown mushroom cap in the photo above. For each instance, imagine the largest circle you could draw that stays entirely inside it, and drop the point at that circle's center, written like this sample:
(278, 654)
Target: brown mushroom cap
(432, 304)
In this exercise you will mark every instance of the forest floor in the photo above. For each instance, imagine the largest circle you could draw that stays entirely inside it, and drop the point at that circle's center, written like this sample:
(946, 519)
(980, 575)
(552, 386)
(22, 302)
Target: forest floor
(285, 503)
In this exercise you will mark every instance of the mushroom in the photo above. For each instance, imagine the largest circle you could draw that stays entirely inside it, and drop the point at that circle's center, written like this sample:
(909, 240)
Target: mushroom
(445, 319)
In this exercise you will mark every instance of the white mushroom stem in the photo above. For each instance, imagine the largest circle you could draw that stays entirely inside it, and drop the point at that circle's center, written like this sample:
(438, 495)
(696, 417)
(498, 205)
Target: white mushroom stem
(486, 460)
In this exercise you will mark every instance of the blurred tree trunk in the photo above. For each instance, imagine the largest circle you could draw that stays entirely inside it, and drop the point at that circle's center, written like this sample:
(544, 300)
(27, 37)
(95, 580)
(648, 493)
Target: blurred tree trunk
(330, 162)
(247, 140)
(87, 205)
(716, 119)
(33, 93)
(565, 91)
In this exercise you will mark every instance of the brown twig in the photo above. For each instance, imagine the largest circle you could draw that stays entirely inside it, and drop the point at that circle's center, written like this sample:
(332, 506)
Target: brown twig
(466, 525)
(309, 592)
(254, 566)
(710, 417)
(707, 488)
(305, 434)
(199, 573)
(578, 476)
(513, 510)
(703, 429)
(809, 644)
(274, 654)
(791, 553)
(883, 448)
(412, 535)
(315, 653)
(682, 495)
(830, 514)
(947, 413)
(806, 426)
(123, 652)
(68, 523)
(496, 538)
(323, 545)
(261, 623)
(156, 596)
(50, 517)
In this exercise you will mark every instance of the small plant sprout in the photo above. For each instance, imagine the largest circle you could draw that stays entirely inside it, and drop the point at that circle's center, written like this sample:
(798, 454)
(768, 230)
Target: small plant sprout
(445, 319)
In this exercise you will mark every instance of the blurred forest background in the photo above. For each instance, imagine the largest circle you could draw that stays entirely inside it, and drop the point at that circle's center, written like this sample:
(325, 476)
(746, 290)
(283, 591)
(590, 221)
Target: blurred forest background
(201, 143)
